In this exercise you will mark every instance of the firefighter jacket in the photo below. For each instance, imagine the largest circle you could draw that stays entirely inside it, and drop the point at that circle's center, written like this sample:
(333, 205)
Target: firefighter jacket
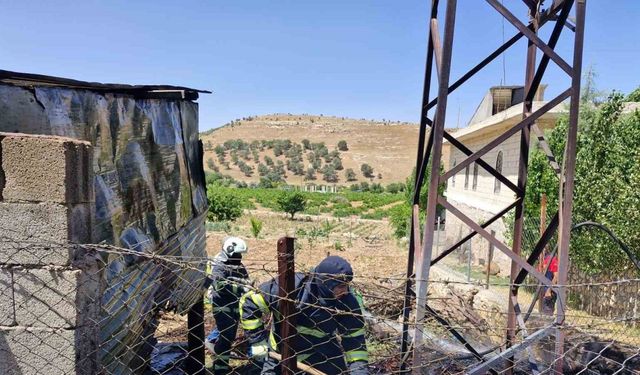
(330, 332)
(226, 285)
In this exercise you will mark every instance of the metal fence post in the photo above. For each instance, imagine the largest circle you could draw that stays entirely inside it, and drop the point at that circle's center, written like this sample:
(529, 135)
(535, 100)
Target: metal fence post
(195, 321)
(286, 305)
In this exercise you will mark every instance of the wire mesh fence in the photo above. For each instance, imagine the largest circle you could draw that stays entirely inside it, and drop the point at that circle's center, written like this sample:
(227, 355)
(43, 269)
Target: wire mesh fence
(122, 311)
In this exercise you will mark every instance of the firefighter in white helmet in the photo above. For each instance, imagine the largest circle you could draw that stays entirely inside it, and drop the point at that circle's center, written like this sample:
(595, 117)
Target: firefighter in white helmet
(227, 279)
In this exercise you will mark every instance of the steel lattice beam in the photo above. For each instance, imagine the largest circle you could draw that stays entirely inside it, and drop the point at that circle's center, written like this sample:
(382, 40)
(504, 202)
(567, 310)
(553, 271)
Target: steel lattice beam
(439, 55)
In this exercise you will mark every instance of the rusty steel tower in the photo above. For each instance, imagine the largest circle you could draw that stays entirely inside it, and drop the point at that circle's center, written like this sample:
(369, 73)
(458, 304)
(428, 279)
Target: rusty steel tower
(555, 15)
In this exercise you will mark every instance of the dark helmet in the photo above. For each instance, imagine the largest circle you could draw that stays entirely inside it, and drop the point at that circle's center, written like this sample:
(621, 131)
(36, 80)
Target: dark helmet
(334, 270)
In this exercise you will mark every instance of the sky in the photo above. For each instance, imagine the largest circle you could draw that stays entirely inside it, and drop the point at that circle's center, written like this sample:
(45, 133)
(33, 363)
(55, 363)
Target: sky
(356, 58)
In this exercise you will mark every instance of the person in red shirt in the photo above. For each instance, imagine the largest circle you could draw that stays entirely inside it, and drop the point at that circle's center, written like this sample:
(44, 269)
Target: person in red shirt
(550, 264)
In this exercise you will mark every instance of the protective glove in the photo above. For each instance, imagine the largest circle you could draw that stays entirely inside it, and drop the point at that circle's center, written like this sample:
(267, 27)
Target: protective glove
(259, 350)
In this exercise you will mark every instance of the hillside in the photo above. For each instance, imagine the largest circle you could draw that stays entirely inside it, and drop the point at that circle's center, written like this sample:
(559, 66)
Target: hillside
(388, 147)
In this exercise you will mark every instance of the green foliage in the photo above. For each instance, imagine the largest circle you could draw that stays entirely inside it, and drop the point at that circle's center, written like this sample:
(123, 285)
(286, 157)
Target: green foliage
(256, 226)
(292, 203)
(400, 219)
(366, 170)
(219, 179)
(377, 188)
(350, 175)
(329, 174)
(634, 96)
(223, 205)
(395, 187)
(271, 180)
(342, 145)
(337, 163)
(219, 150)
(310, 175)
(607, 182)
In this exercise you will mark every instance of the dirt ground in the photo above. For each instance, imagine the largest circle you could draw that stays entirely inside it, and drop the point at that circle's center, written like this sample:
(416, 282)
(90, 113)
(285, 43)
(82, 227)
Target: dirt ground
(367, 244)
(379, 263)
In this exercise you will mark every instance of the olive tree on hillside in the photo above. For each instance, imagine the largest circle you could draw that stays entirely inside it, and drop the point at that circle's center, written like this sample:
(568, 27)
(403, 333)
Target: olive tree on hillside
(350, 175)
(366, 170)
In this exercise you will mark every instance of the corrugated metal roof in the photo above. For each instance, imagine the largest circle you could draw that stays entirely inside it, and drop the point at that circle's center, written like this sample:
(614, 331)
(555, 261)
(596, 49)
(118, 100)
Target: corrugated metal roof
(150, 91)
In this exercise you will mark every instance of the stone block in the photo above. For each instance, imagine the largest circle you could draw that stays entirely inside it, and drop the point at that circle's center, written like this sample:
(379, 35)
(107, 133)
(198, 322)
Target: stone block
(42, 233)
(7, 317)
(46, 298)
(34, 352)
(45, 169)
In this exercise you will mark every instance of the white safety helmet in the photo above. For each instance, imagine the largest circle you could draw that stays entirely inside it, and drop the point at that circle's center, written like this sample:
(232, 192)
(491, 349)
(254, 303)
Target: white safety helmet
(234, 245)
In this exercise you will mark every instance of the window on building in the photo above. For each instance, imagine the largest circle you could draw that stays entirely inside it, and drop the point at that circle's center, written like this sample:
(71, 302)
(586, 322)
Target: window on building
(497, 184)
(475, 177)
(466, 177)
(453, 178)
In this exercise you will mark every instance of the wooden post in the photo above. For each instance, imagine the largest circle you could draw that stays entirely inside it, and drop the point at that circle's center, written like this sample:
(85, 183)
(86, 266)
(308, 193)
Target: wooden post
(195, 339)
(286, 305)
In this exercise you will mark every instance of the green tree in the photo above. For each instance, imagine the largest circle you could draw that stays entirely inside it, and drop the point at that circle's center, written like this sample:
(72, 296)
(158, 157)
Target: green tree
(607, 182)
(366, 170)
(223, 205)
(306, 144)
(310, 175)
(292, 203)
(342, 145)
(350, 175)
(262, 169)
(337, 163)
(219, 150)
(329, 174)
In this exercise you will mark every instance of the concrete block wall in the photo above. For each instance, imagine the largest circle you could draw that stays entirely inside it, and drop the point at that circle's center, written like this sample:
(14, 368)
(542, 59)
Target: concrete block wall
(49, 283)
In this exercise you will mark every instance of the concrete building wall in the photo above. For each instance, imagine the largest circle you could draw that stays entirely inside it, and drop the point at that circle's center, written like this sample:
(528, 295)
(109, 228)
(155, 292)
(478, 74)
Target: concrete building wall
(50, 287)
(482, 202)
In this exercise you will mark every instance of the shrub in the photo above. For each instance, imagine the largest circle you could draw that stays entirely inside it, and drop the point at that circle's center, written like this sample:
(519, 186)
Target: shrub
(256, 226)
(395, 187)
(342, 145)
(223, 205)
